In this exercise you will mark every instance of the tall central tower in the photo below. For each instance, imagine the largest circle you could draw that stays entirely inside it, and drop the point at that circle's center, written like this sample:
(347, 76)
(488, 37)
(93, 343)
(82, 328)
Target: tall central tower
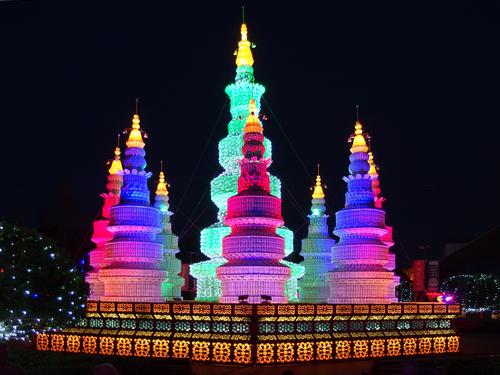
(225, 185)
(253, 249)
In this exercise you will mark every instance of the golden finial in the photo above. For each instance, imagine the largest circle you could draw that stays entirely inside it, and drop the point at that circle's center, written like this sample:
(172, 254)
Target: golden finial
(135, 136)
(116, 164)
(253, 124)
(318, 188)
(358, 141)
(161, 189)
(244, 54)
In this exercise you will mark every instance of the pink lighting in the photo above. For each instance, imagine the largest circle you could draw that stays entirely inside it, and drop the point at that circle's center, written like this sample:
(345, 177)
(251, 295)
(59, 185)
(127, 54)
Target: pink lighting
(253, 250)
(101, 234)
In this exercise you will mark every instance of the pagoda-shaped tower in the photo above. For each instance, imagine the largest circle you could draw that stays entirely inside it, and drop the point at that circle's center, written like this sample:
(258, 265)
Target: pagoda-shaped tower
(171, 288)
(360, 259)
(101, 234)
(134, 255)
(225, 185)
(316, 250)
(379, 200)
(253, 249)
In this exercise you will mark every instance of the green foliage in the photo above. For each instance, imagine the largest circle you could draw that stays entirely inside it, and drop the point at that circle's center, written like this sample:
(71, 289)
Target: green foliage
(39, 287)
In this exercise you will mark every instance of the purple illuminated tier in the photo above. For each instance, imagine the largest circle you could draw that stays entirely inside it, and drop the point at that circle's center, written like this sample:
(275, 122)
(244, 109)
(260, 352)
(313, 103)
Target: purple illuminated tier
(362, 264)
(134, 255)
(253, 250)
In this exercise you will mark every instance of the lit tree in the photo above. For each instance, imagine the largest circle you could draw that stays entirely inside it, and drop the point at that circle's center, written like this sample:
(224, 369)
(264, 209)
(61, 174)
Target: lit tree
(404, 291)
(39, 288)
(478, 292)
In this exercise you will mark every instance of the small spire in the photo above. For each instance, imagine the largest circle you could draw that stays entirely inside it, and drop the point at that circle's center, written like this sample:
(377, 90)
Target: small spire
(373, 168)
(161, 189)
(318, 188)
(244, 54)
(116, 164)
(253, 124)
(135, 136)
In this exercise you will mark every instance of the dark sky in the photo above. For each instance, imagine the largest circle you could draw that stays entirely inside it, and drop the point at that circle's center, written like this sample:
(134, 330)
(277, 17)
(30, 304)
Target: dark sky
(426, 78)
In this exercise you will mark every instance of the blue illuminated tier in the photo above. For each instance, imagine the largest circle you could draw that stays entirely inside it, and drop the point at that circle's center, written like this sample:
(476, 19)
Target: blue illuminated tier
(362, 264)
(316, 250)
(134, 255)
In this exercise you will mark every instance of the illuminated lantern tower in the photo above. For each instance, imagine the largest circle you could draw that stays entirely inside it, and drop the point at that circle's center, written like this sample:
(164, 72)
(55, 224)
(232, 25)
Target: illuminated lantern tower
(316, 250)
(360, 258)
(171, 288)
(253, 249)
(134, 255)
(387, 237)
(101, 234)
(226, 184)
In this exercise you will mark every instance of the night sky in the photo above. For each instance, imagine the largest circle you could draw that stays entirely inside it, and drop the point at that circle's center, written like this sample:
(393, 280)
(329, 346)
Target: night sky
(426, 79)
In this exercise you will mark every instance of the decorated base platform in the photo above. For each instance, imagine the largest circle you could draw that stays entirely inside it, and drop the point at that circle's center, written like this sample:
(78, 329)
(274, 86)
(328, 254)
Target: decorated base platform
(247, 334)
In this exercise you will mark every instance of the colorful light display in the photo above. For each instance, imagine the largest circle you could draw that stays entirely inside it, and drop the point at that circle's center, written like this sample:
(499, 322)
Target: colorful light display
(316, 250)
(253, 324)
(253, 250)
(134, 255)
(361, 261)
(101, 235)
(225, 185)
(171, 288)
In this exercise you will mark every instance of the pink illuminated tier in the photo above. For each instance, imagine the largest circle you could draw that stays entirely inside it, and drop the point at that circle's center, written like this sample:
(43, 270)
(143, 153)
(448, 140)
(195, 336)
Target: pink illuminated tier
(101, 234)
(134, 255)
(253, 250)
(362, 264)
(387, 237)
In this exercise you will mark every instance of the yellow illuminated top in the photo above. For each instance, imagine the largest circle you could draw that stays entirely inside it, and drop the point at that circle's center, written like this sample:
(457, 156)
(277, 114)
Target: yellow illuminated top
(161, 189)
(135, 136)
(253, 124)
(373, 167)
(244, 55)
(318, 189)
(116, 165)
(359, 142)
